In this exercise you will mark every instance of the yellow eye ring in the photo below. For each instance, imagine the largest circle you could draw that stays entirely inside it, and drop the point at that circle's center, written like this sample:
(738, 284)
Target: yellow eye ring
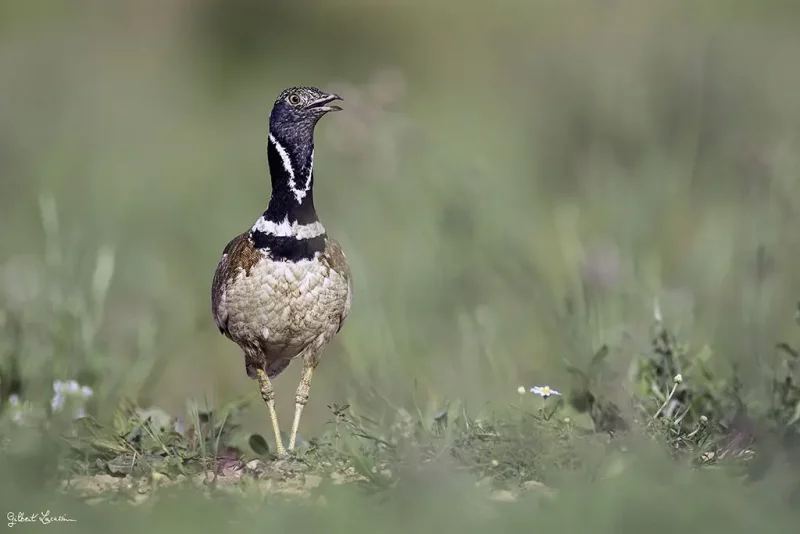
(294, 99)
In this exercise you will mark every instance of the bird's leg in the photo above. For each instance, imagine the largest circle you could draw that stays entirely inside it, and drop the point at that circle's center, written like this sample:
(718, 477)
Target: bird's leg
(268, 394)
(301, 398)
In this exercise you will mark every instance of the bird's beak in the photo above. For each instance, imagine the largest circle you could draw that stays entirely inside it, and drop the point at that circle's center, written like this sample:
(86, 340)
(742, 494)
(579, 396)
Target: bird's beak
(320, 103)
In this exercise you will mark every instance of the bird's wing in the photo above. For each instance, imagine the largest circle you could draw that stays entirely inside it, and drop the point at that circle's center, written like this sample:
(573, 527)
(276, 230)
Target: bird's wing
(238, 253)
(334, 255)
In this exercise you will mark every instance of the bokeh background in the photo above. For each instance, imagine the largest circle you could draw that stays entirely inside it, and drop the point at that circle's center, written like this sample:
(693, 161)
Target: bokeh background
(513, 183)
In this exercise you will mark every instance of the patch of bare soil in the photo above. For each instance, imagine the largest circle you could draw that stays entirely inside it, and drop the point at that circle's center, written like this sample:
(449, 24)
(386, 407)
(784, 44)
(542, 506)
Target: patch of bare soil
(281, 478)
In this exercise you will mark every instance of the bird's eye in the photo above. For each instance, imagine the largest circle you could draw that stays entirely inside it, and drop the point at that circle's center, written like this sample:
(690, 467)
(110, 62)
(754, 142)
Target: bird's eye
(294, 99)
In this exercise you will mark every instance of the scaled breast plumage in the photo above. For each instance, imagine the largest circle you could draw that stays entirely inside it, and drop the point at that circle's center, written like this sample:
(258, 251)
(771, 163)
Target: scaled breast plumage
(282, 306)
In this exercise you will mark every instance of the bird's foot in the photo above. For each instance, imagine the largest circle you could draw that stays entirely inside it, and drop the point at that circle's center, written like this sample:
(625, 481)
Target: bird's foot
(286, 454)
(289, 464)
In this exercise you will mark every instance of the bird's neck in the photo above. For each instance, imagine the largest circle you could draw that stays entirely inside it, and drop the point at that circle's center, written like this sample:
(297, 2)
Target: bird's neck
(291, 167)
(290, 213)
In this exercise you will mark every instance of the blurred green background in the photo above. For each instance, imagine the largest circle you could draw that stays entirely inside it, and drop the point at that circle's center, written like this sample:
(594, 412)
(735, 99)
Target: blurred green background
(491, 165)
(514, 183)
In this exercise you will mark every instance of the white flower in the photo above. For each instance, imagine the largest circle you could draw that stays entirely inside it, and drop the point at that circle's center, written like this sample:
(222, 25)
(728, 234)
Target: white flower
(544, 391)
(74, 393)
(678, 379)
(14, 401)
(521, 390)
(67, 386)
(58, 402)
(657, 311)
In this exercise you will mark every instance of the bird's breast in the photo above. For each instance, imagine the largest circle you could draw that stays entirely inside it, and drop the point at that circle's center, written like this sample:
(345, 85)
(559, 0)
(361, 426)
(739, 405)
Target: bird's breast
(286, 305)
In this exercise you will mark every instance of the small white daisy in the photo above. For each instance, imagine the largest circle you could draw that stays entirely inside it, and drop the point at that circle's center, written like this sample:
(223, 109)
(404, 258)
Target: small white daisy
(58, 402)
(544, 391)
(521, 390)
(72, 386)
(86, 392)
(58, 386)
(13, 400)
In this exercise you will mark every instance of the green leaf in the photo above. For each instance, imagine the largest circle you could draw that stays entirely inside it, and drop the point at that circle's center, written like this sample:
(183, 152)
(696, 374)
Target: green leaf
(259, 444)
(121, 424)
(366, 467)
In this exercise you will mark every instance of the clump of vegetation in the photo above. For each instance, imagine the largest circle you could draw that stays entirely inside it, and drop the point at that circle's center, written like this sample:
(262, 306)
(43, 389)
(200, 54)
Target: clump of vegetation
(679, 401)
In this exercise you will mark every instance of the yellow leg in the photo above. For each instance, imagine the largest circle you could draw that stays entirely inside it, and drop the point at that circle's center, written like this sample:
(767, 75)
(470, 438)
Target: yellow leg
(268, 394)
(300, 399)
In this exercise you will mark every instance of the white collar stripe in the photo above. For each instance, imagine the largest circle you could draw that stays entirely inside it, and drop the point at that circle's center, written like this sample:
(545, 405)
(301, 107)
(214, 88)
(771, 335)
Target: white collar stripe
(287, 229)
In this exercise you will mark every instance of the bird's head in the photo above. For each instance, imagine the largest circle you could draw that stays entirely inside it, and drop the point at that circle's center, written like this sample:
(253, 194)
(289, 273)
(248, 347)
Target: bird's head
(290, 145)
(297, 110)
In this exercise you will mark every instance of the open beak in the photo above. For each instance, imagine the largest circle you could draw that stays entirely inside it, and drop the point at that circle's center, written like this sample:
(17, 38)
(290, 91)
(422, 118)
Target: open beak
(321, 103)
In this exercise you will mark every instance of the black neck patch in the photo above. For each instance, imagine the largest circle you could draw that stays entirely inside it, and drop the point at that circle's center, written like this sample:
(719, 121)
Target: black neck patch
(287, 248)
(291, 168)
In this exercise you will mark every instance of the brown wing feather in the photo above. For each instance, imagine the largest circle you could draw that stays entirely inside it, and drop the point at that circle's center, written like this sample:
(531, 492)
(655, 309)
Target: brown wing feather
(335, 258)
(238, 253)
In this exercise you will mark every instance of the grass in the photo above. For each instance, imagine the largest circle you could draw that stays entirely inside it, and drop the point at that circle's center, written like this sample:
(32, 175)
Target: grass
(682, 428)
(592, 197)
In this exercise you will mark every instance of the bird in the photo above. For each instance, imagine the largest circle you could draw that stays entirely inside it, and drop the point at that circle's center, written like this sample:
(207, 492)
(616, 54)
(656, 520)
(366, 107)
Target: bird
(282, 290)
